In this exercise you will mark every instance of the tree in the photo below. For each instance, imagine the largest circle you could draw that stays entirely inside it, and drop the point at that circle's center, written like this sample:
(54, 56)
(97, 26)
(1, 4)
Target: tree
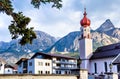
(18, 26)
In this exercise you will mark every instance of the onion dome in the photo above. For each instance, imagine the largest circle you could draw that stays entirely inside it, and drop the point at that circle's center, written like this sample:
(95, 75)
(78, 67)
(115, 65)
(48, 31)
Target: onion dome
(85, 21)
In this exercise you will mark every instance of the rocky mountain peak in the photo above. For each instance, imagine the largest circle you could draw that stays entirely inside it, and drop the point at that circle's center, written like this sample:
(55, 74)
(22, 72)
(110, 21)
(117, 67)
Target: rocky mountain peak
(106, 26)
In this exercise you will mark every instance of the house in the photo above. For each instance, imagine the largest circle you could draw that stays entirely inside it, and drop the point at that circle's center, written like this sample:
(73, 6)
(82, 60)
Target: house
(8, 69)
(5, 68)
(44, 63)
(22, 65)
(101, 60)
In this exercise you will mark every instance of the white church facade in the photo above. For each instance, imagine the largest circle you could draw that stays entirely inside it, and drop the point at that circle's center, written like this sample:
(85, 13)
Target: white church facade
(101, 60)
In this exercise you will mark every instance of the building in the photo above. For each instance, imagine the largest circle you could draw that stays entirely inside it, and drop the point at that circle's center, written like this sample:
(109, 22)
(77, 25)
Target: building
(101, 60)
(8, 69)
(5, 68)
(22, 65)
(42, 63)
(103, 57)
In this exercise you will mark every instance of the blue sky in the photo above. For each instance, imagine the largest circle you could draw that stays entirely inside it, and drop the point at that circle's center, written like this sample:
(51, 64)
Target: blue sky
(59, 23)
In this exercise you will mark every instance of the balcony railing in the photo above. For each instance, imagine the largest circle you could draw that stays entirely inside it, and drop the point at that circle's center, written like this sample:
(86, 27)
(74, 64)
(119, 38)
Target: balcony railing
(58, 67)
(64, 62)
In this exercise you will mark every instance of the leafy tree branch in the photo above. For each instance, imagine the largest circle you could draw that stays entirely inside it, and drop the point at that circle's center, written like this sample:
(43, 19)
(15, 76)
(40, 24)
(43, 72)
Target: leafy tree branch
(18, 26)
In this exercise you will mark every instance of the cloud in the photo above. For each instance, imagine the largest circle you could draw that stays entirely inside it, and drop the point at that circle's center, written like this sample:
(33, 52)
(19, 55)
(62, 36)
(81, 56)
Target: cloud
(60, 22)
(4, 23)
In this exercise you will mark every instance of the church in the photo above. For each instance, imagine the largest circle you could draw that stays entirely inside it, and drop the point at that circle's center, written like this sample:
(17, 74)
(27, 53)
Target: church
(104, 58)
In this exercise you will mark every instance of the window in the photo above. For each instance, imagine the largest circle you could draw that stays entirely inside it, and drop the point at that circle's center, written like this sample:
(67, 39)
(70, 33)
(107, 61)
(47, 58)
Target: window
(30, 63)
(118, 68)
(56, 72)
(84, 29)
(95, 66)
(59, 72)
(20, 65)
(8, 70)
(48, 72)
(40, 63)
(65, 72)
(40, 72)
(30, 72)
(105, 65)
(58, 65)
(47, 64)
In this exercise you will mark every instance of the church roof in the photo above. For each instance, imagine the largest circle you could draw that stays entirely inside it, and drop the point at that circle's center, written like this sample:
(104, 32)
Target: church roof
(106, 51)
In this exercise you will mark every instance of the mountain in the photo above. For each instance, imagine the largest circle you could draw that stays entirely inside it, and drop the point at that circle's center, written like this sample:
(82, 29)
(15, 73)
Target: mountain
(106, 26)
(14, 50)
(67, 43)
(42, 42)
(106, 34)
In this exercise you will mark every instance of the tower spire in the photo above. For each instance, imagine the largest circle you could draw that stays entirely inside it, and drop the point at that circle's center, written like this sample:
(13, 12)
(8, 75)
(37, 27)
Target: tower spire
(85, 22)
(85, 12)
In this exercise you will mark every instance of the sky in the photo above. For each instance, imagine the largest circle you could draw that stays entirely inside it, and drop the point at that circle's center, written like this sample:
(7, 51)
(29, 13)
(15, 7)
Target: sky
(59, 23)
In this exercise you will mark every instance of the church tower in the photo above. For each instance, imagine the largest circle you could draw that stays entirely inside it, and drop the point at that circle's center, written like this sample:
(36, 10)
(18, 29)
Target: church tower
(85, 42)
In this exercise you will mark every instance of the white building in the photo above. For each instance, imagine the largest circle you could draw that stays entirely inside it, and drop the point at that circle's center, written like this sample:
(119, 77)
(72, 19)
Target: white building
(8, 69)
(42, 63)
(40, 66)
(5, 68)
(99, 61)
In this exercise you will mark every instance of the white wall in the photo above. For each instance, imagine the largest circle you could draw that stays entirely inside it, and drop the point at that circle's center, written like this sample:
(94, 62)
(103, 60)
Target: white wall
(101, 66)
(2, 68)
(39, 65)
(8, 71)
(85, 52)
